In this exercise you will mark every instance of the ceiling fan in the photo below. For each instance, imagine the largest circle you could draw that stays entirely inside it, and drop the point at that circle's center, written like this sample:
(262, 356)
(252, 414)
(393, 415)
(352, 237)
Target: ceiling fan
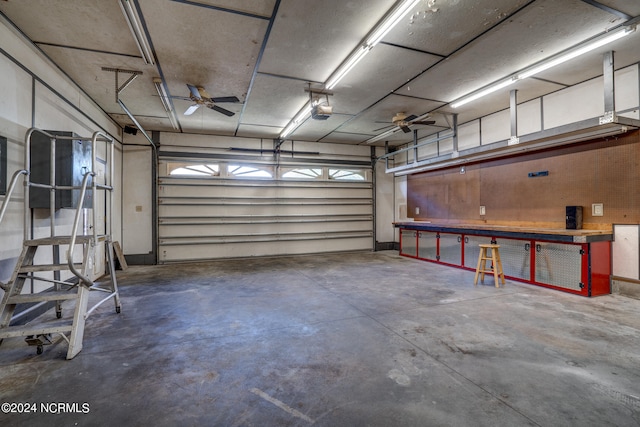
(201, 97)
(403, 121)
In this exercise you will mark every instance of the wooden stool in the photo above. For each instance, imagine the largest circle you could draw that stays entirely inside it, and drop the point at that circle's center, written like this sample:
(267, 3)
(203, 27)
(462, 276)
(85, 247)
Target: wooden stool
(496, 264)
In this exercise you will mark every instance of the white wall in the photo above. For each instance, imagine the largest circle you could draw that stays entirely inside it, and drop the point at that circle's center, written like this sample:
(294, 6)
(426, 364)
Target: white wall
(401, 213)
(137, 201)
(34, 93)
(385, 202)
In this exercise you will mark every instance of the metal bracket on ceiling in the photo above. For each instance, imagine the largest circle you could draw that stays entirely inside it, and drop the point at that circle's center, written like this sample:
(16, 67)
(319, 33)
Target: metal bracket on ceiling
(131, 78)
(313, 90)
(318, 92)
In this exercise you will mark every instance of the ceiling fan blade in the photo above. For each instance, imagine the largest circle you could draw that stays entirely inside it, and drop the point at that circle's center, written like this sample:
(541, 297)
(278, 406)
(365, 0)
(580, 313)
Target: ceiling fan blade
(423, 122)
(191, 110)
(221, 110)
(226, 99)
(409, 118)
(194, 91)
(405, 129)
(390, 126)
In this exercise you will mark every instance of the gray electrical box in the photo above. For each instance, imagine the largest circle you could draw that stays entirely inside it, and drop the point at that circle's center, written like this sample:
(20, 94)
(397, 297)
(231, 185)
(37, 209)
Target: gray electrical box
(73, 160)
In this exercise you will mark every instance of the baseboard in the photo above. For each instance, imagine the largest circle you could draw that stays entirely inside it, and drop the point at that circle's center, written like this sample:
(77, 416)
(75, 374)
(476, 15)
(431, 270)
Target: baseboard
(625, 287)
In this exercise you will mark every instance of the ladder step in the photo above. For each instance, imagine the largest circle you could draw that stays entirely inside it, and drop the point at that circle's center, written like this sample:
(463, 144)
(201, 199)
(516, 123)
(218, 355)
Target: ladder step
(44, 296)
(25, 330)
(46, 267)
(61, 240)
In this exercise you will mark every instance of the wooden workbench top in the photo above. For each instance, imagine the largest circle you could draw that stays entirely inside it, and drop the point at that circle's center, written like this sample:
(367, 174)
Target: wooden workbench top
(517, 232)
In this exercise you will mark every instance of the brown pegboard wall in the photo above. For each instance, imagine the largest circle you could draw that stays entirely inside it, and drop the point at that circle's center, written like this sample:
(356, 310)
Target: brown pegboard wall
(601, 171)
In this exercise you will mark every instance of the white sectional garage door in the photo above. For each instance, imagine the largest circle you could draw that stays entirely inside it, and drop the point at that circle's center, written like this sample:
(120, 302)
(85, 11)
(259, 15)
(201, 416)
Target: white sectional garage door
(220, 207)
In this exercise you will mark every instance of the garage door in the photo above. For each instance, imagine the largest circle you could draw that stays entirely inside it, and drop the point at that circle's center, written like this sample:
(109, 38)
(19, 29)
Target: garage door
(225, 207)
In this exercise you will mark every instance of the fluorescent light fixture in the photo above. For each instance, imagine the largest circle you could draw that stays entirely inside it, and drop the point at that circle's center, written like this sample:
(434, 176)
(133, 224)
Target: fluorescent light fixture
(303, 114)
(164, 98)
(290, 128)
(380, 30)
(133, 20)
(575, 53)
(390, 21)
(559, 59)
(297, 121)
(346, 66)
(484, 92)
(377, 34)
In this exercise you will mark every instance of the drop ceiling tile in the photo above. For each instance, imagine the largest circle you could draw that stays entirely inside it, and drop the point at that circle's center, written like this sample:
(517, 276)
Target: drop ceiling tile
(255, 131)
(526, 90)
(310, 39)
(314, 130)
(630, 7)
(535, 33)
(274, 101)
(383, 69)
(258, 7)
(626, 51)
(192, 50)
(78, 24)
(438, 28)
(343, 137)
(218, 49)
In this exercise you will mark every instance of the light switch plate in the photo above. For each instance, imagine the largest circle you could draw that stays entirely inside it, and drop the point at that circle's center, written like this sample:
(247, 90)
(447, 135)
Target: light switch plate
(597, 209)
(417, 210)
(483, 210)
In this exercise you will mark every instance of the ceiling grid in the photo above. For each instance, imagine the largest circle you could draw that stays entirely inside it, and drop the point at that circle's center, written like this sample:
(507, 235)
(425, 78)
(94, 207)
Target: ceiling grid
(265, 52)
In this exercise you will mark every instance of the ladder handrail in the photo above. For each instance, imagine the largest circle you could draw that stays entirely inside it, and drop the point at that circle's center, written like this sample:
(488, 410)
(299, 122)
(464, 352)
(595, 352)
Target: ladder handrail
(5, 204)
(7, 197)
(109, 155)
(74, 233)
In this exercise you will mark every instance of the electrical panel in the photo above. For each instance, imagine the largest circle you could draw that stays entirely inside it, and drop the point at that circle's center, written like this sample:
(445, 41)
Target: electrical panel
(72, 162)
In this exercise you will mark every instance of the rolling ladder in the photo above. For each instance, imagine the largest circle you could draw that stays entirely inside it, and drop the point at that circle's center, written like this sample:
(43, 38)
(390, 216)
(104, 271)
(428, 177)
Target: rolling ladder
(76, 292)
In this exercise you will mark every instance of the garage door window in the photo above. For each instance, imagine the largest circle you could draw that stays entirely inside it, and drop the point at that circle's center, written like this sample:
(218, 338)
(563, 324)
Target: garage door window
(303, 173)
(347, 174)
(243, 171)
(187, 169)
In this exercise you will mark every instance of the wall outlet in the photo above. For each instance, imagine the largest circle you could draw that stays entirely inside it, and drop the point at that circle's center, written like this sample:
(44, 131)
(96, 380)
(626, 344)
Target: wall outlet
(417, 210)
(597, 209)
(483, 210)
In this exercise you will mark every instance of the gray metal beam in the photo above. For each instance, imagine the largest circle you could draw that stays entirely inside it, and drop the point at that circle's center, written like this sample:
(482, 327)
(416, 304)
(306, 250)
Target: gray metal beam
(513, 110)
(609, 84)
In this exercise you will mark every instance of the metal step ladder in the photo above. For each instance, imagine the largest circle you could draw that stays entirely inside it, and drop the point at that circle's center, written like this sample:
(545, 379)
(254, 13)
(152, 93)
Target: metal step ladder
(74, 292)
(71, 330)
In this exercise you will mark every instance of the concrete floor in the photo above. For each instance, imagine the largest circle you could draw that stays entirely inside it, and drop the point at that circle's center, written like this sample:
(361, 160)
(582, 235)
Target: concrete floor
(359, 339)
